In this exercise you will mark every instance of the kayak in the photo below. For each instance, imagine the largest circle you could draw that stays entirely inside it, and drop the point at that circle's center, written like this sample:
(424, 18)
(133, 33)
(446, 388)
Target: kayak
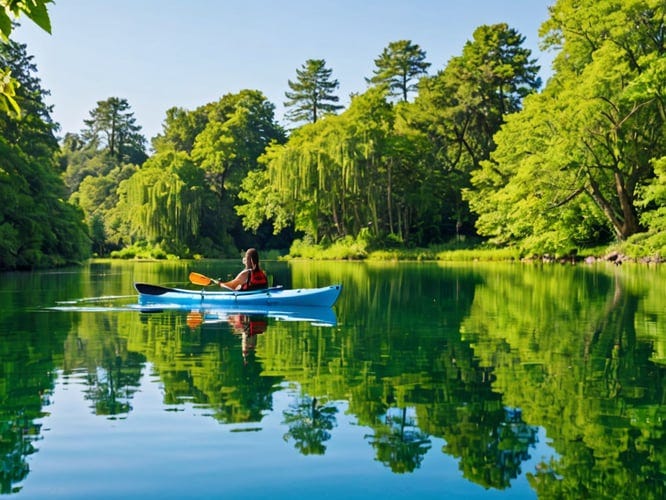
(275, 296)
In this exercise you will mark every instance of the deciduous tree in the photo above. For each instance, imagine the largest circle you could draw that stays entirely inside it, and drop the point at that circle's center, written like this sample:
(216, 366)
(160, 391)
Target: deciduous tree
(582, 151)
(38, 228)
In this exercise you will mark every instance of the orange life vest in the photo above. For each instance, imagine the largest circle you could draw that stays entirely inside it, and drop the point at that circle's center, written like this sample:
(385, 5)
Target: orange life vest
(256, 280)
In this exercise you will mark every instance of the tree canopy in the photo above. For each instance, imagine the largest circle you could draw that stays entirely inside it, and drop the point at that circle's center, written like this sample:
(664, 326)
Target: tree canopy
(38, 228)
(480, 151)
(112, 126)
(572, 167)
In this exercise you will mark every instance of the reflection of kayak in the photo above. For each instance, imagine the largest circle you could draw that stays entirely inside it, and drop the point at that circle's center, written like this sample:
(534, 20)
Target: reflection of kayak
(322, 316)
(301, 297)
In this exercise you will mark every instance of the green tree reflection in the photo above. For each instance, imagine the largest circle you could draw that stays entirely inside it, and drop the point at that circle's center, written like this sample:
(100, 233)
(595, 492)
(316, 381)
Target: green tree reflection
(309, 424)
(593, 385)
(112, 385)
(28, 364)
(212, 364)
(398, 442)
(478, 356)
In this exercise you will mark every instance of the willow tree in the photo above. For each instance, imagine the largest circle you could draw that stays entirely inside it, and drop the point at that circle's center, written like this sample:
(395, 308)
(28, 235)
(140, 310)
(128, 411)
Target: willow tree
(330, 178)
(570, 168)
(162, 204)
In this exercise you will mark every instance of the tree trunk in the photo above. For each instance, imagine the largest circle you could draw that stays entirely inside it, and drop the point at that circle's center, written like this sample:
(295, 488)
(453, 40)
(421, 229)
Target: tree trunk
(626, 224)
(630, 225)
(389, 195)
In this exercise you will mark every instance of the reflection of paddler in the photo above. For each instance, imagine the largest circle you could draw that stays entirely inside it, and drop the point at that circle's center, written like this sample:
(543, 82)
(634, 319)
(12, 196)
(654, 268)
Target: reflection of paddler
(248, 327)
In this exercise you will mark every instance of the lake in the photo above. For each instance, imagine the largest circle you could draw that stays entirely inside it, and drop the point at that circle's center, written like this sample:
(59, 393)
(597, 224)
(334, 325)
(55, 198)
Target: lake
(433, 380)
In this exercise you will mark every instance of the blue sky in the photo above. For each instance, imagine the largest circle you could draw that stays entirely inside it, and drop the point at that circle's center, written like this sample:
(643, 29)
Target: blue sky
(163, 53)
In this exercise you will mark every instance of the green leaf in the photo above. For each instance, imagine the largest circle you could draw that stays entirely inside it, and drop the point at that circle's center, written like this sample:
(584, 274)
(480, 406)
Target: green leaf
(5, 26)
(36, 10)
(7, 92)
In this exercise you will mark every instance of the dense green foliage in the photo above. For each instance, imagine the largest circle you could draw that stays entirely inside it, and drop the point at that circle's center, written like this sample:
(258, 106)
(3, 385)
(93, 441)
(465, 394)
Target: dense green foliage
(480, 151)
(37, 226)
(108, 150)
(183, 198)
(576, 166)
(395, 173)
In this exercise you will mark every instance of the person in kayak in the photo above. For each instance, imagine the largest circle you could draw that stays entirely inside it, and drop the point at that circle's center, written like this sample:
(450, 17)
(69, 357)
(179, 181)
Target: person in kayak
(250, 278)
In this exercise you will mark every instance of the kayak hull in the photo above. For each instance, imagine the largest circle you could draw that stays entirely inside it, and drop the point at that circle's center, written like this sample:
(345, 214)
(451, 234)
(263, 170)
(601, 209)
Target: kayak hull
(301, 297)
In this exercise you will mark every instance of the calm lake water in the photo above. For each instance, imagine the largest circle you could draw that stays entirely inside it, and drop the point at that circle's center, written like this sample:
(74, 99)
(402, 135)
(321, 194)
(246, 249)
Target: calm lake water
(474, 381)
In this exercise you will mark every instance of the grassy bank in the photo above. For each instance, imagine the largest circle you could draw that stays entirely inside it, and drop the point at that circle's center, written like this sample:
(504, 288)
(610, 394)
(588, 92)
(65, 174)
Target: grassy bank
(641, 248)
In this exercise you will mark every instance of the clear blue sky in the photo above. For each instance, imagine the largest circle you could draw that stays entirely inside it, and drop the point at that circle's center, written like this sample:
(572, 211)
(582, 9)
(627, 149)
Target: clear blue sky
(163, 53)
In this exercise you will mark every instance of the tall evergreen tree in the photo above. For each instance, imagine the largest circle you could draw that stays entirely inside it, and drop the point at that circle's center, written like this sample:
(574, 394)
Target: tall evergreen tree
(397, 67)
(312, 92)
(113, 126)
(460, 109)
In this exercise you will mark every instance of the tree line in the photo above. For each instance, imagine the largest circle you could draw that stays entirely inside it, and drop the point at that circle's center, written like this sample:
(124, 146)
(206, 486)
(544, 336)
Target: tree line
(477, 151)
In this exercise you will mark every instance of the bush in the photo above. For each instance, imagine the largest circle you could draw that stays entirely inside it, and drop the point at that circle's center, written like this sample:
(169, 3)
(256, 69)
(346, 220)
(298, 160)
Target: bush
(346, 248)
(142, 250)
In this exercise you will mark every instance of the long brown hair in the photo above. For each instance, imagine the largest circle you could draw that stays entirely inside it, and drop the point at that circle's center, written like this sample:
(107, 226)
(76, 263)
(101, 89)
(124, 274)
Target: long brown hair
(252, 257)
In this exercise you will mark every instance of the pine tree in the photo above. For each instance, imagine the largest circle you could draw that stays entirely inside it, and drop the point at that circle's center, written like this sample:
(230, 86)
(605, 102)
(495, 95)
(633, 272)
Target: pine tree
(312, 92)
(399, 64)
(113, 125)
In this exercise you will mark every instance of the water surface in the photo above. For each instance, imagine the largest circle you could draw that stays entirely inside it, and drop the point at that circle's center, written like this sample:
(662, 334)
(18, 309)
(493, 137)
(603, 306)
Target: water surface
(434, 380)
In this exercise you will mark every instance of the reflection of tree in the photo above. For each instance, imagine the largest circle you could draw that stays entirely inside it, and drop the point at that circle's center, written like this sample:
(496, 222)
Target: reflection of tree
(309, 424)
(491, 444)
(204, 364)
(113, 374)
(592, 386)
(17, 432)
(28, 367)
(399, 442)
(112, 385)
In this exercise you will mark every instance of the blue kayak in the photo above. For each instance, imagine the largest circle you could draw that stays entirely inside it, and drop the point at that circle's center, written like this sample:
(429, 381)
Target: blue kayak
(278, 296)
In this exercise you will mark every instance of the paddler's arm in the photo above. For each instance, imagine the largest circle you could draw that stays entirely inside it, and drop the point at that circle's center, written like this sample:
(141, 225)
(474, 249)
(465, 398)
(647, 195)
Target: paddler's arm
(237, 282)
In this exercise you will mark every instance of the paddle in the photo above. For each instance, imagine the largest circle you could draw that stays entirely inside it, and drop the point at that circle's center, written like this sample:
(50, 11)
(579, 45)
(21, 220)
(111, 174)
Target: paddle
(200, 279)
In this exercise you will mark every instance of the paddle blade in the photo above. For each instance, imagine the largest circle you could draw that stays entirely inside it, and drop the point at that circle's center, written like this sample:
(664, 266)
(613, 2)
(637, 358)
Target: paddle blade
(200, 279)
(194, 319)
